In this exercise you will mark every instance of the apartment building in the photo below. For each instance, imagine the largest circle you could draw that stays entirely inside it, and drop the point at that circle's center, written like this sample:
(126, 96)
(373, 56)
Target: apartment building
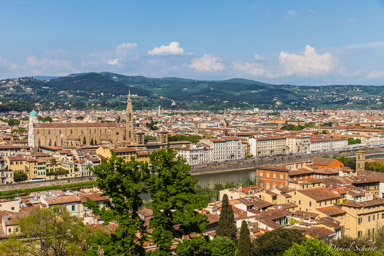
(298, 144)
(196, 153)
(225, 148)
(319, 144)
(268, 146)
(363, 218)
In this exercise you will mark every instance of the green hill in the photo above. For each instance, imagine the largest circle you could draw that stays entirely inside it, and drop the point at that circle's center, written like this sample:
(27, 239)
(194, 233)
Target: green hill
(109, 90)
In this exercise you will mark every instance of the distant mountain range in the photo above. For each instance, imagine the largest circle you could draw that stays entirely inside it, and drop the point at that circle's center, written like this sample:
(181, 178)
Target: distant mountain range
(109, 90)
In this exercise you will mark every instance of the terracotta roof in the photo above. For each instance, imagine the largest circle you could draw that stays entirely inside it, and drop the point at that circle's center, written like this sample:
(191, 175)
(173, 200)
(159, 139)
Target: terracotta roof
(318, 232)
(62, 199)
(323, 161)
(305, 215)
(319, 194)
(331, 210)
(96, 197)
(374, 202)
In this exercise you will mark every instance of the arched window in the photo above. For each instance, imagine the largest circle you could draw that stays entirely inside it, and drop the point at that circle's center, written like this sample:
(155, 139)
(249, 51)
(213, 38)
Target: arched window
(50, 142)
(71, 131)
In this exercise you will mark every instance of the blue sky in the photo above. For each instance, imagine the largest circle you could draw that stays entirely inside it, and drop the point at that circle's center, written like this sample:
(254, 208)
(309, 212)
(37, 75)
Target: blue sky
(298, 42)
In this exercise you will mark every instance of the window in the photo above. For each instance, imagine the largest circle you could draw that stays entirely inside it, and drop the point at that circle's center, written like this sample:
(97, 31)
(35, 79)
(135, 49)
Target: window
(274, 175)
(369, 218)
(267, 174)
(73, 208)
(299, 202)
(261, 173)
(359, 220)
(310, 203)
(359, 234)
(373, 217)
(281, 175)
(12, 208)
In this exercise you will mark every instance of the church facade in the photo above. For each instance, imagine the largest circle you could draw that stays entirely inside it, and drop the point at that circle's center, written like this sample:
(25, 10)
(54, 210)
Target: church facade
(84, 134)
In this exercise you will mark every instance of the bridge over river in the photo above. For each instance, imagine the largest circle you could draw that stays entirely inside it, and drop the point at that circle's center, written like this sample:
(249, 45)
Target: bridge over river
(210, 174)
(242, 170)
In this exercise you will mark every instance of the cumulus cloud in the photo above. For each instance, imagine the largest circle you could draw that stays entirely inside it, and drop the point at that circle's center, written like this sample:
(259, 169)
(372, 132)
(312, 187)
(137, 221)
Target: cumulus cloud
(290, 14)
(258, 57)
(122, 52)
(375, 74)
(207, 63)
(172, 49)
(253, 69)
(123, 49)
(309, 63)
(7, 65)
(45, 65)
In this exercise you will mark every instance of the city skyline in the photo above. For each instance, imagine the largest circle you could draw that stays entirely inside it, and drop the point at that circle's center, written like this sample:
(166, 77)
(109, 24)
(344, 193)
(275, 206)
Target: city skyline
(311, 42)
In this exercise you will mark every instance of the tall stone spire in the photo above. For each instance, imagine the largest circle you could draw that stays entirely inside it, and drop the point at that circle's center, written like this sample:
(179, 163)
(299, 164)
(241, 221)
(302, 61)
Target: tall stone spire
(129, 118)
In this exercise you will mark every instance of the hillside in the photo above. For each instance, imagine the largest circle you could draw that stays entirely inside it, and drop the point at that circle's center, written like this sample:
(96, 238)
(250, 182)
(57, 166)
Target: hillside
(109, 90)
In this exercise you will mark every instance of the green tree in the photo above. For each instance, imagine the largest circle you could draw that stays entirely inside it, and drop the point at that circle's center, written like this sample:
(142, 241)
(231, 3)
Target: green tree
(19, 176)
(351, 246)
(175, 200)
(226, 226)
(152, 124)
(123, 183)
(276, 242)
(222, 246)
(244, 245)
(13, 247)
(54, 231)
(311, 247)
(198, 246)
(13, 122)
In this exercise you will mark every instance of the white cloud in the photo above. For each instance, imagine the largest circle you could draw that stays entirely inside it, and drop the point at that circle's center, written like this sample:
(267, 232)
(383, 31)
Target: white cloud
(207, 63)
(310, 63)
(290, 14)
(112, 62)
(123, 49)
(375, 74)
(253, 69)
(7, 65)
(172, 49)
(258, 57)
(40, 66)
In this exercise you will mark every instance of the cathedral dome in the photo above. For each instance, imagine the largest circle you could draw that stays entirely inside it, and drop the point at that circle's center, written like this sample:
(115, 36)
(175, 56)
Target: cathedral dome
(33, 113)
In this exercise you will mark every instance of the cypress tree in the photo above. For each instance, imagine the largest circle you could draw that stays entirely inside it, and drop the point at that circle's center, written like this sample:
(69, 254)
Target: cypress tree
(226, 226)
(244, 246)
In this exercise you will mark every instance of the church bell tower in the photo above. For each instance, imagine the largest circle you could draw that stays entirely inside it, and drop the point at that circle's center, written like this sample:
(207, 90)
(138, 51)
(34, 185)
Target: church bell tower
(129, 119)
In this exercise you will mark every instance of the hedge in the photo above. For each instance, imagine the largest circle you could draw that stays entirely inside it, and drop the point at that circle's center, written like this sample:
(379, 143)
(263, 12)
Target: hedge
(29, 190)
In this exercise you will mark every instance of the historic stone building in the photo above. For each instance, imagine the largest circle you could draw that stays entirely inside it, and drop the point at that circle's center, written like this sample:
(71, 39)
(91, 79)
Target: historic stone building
(85, 134)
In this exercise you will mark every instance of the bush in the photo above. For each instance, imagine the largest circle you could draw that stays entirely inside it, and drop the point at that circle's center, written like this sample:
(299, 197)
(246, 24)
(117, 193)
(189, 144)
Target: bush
(19, 176)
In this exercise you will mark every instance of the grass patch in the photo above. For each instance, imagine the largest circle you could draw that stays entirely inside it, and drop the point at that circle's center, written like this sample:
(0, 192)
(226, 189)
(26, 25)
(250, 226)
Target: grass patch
(29, 190)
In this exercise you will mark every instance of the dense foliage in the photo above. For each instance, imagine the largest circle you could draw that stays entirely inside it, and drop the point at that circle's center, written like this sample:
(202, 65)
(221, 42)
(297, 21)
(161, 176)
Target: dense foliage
(174, 202)
(180, 137)
(54, 231)
(244, 244)
(19, 176)
(311, 247)
(276, 242)
(226, 226)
